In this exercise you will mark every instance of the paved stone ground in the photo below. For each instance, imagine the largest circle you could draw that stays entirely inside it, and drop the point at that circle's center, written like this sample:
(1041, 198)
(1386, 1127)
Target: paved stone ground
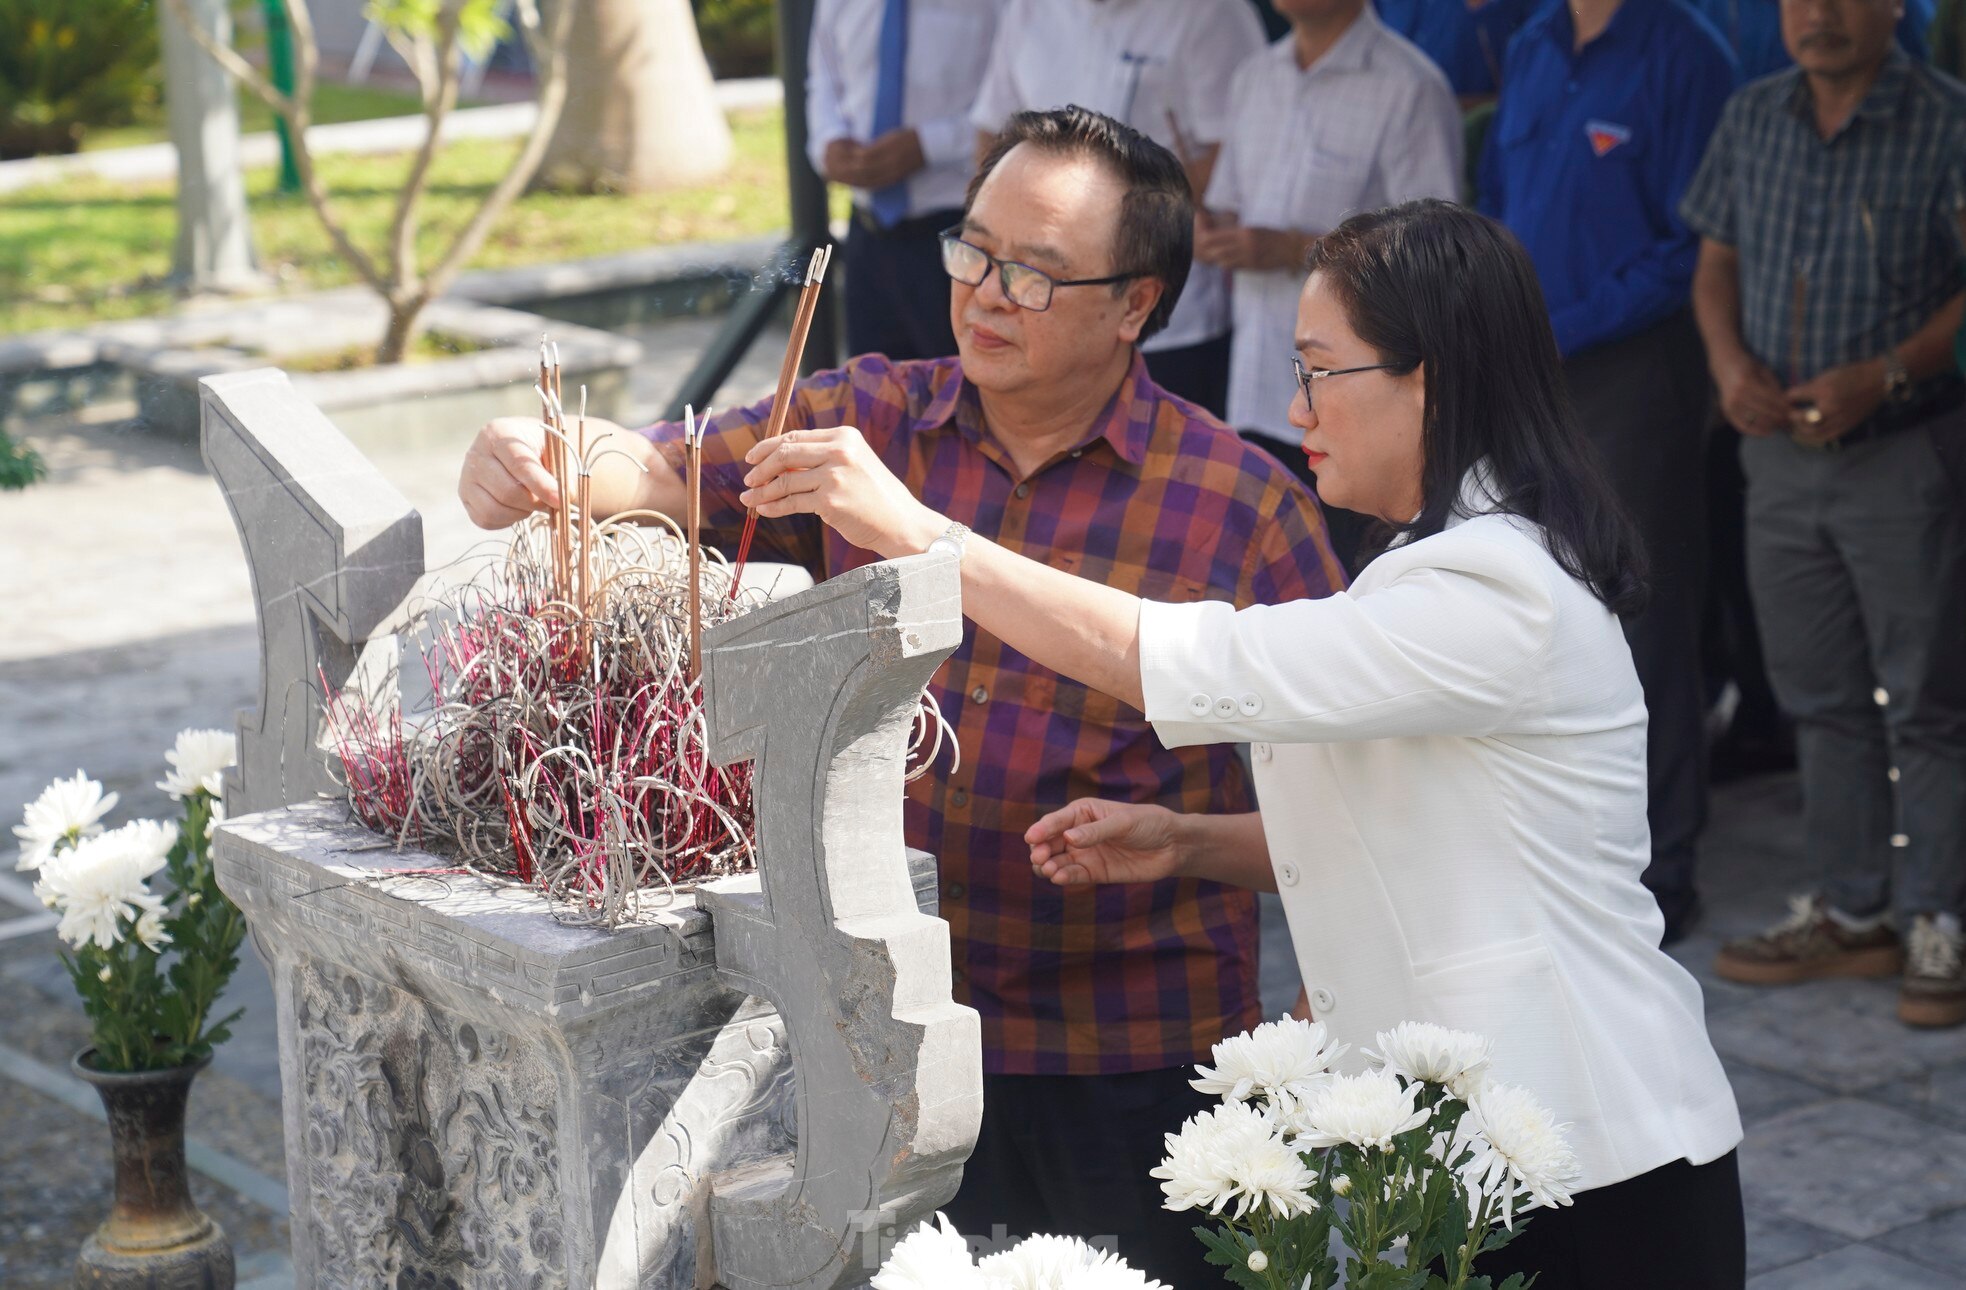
(126, 595)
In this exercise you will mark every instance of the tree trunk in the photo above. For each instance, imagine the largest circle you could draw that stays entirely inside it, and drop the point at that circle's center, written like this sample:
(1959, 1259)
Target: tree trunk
(405, 321)
(641, 111)
(214, 239)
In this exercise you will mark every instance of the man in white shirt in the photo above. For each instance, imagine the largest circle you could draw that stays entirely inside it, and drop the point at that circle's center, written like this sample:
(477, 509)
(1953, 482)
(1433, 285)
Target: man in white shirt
(1163, 67)
(1341, 115)
(888, 95)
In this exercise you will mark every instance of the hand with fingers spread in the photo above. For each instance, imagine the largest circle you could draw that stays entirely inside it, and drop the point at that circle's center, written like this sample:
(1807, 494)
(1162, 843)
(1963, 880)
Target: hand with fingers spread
(833, 474)
(1094, 841)
(504, 477)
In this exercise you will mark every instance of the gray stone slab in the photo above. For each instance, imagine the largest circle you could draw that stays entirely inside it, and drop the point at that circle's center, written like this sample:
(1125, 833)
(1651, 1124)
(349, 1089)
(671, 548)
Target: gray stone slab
(1762, 1094)
(1937, 1094)
(1938, 1243)
(1856, 1267)
(1776, 1242)
(1853, 1167)
(1843, 1035)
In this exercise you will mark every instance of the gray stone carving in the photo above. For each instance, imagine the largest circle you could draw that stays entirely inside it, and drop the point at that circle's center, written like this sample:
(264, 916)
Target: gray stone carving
(333, 549)
(754, 1084)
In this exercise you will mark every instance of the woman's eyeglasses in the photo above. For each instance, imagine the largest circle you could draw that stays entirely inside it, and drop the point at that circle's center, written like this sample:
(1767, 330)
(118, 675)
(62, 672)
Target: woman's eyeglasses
(1305, 375)
(1023, 286)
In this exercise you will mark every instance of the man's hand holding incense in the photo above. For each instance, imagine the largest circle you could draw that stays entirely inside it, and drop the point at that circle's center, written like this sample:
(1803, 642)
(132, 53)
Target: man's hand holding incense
(833, 474)
(504, 477)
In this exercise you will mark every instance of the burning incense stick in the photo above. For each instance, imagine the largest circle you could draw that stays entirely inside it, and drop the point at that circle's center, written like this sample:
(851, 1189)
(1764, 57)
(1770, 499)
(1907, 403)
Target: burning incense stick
(693, 457)
(788, 373)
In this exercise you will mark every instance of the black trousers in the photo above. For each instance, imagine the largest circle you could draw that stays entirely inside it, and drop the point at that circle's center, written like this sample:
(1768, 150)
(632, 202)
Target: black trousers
(1198, 373)
(897, 294)
(1642, 402)
(1068, 1155)
(1679, 1226)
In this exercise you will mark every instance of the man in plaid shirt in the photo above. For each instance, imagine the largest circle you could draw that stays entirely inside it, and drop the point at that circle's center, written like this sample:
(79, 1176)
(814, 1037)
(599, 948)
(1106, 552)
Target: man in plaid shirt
(1829, 290)
(1047, 435)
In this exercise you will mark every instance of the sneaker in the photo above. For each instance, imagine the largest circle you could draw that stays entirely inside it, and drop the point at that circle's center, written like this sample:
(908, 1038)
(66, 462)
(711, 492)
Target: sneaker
(1807, 945)
(1934, 990)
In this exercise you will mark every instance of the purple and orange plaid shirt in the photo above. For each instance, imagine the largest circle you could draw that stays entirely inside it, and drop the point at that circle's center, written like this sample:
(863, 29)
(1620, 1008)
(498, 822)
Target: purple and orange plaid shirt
(1160, 500)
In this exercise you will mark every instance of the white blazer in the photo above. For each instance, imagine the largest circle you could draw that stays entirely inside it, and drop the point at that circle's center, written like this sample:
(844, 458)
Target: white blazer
(1450, 761)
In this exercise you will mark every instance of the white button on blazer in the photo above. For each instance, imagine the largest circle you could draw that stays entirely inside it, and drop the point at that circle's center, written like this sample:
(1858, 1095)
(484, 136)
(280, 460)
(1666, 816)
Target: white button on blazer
(1456, 794)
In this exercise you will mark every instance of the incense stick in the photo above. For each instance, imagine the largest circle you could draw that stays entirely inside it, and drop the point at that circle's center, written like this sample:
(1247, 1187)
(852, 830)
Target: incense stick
(693, 459)
(788, 373)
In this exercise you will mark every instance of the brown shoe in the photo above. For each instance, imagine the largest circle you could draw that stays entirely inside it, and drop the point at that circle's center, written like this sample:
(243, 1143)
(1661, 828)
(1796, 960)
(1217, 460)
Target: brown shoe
(1934, 990)
(1808, 945)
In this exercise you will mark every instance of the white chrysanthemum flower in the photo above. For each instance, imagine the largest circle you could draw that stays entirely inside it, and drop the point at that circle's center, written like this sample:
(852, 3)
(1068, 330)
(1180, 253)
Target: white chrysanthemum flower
(1281, 1061)
(1454, 1059)
(68, 810)
(198, 761)
(1367, 1110)
(1063, 1263)
(1519, 1151)
(932, 1257)
(100, 884)
(1233, 1153)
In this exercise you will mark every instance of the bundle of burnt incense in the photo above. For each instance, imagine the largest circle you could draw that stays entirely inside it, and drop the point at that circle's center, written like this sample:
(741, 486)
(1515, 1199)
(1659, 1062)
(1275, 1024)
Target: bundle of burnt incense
(564, 744)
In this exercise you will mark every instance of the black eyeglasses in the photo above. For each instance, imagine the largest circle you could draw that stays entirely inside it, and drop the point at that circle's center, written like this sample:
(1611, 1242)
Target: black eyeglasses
(1023, 286)
(1305, 375)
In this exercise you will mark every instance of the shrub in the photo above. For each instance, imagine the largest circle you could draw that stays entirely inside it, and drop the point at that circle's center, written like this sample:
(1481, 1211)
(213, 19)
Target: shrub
(739, 36)
(69, 64)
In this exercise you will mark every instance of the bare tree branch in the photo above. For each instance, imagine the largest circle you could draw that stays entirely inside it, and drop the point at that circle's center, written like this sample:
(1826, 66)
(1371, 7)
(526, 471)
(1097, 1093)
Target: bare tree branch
(552, 98)
(439, 99)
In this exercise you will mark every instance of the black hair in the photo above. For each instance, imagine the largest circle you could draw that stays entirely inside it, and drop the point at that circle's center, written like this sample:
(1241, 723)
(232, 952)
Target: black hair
(1155, 237)
(1435, 285)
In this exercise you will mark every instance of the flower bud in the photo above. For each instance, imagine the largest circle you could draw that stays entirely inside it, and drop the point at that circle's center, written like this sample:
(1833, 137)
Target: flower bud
(192, 900)
(1258, 1260)
(1341, 1186)
(105, 974)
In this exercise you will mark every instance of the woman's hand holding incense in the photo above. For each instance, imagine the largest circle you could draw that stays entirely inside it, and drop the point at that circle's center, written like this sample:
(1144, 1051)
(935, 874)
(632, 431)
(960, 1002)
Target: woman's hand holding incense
(833, 474)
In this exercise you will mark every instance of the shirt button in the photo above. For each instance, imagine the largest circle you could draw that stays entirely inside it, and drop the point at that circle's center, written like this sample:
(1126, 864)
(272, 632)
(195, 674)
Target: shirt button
(1260, 751)
(1287, 873)
(980, 694)
(1023, 490)
(1199, 704)
(1322, 1001)
(1251, 704)
(955, 891)
(959, 797)
(1225, 707)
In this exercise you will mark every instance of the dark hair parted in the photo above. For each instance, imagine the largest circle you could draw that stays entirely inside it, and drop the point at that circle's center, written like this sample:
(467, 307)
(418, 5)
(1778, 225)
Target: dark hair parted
(1155, 236)
(1434, 285)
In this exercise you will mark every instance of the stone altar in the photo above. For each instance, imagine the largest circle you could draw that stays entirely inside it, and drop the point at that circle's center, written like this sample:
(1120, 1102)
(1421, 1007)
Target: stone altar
(758, 1084)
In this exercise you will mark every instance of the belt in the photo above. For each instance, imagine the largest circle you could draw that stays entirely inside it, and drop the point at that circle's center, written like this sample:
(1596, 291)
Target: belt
(915, 226)
(1939, 397)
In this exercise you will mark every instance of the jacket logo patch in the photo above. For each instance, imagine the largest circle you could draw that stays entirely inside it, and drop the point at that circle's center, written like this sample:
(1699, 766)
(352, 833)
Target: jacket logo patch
(1605, 136)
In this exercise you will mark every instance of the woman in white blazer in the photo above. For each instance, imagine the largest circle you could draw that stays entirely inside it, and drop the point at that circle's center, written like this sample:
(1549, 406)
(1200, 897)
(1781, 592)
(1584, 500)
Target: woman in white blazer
(1450, 757)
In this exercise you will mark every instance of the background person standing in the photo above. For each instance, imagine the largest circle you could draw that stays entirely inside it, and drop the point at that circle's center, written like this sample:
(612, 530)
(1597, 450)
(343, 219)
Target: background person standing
(888, 98)
(1340, 116)
(1165, 68)
(1606, 108)
(1829, 292)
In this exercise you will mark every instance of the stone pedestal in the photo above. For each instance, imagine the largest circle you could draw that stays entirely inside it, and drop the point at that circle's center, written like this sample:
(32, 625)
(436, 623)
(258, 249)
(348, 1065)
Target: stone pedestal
(757, 1084)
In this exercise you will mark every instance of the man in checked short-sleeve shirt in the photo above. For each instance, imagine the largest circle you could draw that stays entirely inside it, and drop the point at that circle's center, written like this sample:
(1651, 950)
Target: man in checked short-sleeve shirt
(1047, 435)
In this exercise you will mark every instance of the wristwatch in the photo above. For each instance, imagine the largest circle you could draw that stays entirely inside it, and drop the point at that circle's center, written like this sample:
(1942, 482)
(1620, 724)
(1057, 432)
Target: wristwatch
(1897, 380)
(952, 537)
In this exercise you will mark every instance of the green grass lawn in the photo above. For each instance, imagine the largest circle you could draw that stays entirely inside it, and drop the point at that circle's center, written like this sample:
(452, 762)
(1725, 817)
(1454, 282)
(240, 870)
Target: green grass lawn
(332, 102)
(90, 251)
